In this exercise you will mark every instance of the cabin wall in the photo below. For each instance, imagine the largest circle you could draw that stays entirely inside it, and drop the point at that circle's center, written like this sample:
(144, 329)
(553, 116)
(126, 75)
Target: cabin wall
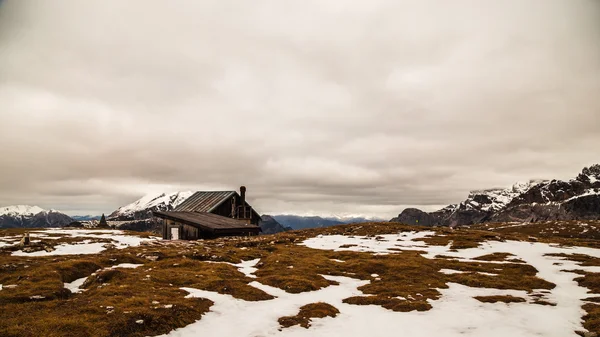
(226, 209)
(186, 232)
(190, 232)
(167, 225)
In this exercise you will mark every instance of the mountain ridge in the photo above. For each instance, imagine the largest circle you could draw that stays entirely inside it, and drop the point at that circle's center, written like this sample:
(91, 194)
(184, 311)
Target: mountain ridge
(535, 200)
(25, 216)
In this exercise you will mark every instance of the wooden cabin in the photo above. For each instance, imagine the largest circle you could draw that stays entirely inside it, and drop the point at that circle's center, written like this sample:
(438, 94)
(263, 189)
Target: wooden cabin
(210, 214)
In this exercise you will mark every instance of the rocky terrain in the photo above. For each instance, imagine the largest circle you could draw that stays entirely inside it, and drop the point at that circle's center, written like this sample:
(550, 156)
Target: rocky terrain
(533, 201)
(24, 216)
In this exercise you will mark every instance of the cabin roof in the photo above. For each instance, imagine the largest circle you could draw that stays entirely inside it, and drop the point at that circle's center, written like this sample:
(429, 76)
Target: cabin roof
(208, 221)
(202, 202)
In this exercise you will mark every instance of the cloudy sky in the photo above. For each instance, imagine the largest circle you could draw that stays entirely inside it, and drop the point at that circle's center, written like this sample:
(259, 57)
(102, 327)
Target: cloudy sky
(317, 106)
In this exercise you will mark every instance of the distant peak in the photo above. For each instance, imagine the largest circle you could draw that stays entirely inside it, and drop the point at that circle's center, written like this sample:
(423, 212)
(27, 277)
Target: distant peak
(154, 200)
(21, 210)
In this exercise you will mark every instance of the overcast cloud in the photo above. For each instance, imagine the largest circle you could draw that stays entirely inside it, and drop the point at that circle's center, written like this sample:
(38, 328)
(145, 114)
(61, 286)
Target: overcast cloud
(317, 106)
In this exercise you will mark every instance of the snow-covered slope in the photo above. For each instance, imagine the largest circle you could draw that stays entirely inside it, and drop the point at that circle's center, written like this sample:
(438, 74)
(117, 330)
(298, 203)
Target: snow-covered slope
(25, 216)
(21, 210)
(142, 208)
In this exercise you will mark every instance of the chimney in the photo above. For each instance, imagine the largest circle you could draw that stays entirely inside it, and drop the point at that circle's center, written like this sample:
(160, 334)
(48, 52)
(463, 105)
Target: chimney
(243, 196)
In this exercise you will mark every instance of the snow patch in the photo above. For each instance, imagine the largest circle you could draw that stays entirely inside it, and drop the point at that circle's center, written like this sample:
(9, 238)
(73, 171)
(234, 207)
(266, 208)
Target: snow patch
(127, 265)
(450, 271)
(484, 319)
(385, 245)
(588, 192)
(117, 238)
(75, 286)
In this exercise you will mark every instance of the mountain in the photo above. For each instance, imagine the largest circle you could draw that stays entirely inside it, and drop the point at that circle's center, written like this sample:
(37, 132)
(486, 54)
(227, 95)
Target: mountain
(532, 201)
(353, 219)
(24, 216)
(142, 209)
(85, 217)
(269, 225)
(137, 216)
(302, 222)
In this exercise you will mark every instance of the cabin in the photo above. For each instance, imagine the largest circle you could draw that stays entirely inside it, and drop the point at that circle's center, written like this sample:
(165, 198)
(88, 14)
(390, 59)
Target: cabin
(210, 214)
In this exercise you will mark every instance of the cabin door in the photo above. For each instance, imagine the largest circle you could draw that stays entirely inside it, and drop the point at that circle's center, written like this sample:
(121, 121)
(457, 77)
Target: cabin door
(174, 233)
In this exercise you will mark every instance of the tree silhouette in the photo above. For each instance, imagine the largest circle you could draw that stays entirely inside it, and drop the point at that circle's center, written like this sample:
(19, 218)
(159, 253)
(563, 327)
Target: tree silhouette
(103, 222)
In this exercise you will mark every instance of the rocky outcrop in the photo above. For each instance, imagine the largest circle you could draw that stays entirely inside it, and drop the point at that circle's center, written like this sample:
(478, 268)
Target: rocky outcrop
(536, 200)
(414, 216)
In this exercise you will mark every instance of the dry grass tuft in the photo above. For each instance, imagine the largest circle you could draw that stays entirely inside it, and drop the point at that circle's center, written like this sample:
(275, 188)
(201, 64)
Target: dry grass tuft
(544, 302)
(313, 310)
(584, 260)
(500, 298)
(591, 321)
(494, 257)
(393, 304)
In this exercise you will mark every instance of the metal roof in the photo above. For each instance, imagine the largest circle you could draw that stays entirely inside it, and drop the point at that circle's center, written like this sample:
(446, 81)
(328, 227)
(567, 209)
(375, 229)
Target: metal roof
(204, 202)
(210, 222)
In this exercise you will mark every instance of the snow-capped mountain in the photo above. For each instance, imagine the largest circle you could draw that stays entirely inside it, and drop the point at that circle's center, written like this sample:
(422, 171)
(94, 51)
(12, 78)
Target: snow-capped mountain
(534, 200)
(25, 216)
(496, 199)
(142, 208)
(20, 210)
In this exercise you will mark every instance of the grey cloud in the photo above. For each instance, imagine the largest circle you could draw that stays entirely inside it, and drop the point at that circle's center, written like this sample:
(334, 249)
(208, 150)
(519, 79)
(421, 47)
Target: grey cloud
(323, 107)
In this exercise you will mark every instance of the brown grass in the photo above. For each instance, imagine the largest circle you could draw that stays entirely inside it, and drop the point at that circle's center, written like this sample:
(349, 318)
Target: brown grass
(544, 302)
(500, 298)
(584, 260)
(313, 310)
(591, 321)
(494, 257)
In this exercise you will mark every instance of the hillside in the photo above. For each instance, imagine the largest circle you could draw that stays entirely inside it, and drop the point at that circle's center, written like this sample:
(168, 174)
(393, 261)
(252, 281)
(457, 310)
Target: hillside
(269, 225)
(532, 201)
(348, 280)
(304, 222)
(24, 216)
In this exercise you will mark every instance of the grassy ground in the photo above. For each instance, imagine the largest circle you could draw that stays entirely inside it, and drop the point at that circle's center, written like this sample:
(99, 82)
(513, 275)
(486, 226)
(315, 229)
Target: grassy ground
(148, 301)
